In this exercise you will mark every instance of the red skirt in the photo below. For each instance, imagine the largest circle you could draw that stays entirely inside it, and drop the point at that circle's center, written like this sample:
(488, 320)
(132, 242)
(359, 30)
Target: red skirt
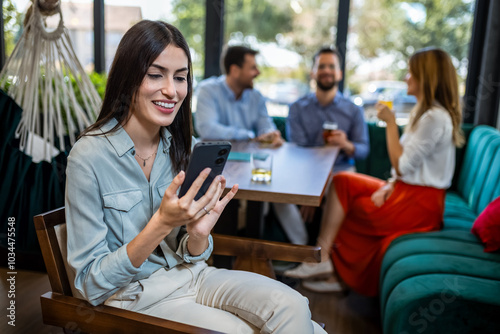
(367, 230)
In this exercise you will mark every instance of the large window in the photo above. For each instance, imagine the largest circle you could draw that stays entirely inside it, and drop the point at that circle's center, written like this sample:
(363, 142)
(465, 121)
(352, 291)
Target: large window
(78, 17)
(287, 34)
(383, 34)
(13, 15)
(79, 20)
(120, 15)
(189, 17)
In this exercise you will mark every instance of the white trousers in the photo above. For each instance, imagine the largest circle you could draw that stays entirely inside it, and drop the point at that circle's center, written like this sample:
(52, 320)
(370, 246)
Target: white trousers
(292, 223)
(228, 301)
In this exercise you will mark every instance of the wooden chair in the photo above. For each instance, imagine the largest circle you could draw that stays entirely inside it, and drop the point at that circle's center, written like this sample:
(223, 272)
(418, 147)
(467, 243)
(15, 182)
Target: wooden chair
(60, 308)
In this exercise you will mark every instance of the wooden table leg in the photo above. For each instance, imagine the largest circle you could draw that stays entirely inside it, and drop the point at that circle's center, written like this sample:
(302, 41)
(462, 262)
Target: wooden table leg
(255, 220)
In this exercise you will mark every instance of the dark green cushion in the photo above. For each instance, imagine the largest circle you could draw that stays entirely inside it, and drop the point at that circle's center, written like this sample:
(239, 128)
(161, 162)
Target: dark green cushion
(443, 303)
(479, 179)
(420, 269)
(446, 242)
(460, 155)
(457, 213)
(476, 145)
(491, 188)
(417, 268)
(455, 242)
(484, 145)
(435, 263)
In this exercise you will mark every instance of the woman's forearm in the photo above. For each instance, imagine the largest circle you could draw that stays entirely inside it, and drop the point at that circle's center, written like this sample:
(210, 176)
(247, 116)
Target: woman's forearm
(197, 246)
(394, 147)
(139, 249)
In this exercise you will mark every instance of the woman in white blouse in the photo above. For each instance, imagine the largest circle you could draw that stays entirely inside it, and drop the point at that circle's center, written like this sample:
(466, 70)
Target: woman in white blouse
(364, 214)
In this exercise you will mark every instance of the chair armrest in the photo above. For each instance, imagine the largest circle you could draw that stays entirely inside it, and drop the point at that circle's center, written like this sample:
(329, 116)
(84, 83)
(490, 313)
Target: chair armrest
(78, 315)
(263, 249)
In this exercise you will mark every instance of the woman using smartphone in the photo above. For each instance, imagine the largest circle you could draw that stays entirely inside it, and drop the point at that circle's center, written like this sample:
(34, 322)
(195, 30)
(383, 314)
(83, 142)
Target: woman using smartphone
(132, 242)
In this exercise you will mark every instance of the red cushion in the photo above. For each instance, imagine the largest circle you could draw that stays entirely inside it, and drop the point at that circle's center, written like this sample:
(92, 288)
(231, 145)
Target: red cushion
(487, 226)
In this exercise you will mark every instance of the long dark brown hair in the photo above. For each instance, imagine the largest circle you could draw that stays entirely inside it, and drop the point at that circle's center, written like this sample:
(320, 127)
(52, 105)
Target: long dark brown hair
(435, 74)
(138, 49)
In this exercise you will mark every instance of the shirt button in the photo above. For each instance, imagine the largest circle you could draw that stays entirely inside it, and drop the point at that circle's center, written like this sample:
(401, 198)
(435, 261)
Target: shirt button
(132, 152)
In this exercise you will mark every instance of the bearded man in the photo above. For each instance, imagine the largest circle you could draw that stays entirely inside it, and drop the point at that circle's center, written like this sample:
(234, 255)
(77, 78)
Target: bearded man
(308, 114)
(327, 104)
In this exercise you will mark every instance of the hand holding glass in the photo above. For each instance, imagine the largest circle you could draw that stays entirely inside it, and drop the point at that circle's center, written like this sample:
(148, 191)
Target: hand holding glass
(387, 100)
(328, 128)
(262, 164)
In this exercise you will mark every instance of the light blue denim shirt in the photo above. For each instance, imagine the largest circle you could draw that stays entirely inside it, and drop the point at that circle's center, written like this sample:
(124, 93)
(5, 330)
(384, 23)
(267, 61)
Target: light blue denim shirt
(219, 115)
(108, 202)
(305, 125)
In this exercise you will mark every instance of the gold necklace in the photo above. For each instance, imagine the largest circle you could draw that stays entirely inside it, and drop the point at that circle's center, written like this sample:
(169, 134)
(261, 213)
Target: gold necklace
(146, 159)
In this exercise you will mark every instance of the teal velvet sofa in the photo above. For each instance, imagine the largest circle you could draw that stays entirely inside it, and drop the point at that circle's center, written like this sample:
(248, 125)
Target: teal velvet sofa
(444, 282)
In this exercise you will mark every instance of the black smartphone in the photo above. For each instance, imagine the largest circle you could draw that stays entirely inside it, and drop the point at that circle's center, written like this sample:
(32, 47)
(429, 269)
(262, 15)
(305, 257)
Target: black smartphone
(211, 154)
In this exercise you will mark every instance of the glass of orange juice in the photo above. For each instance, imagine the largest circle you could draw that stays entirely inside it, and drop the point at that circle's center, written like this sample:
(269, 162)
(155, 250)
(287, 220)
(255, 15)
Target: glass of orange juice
(388, 100)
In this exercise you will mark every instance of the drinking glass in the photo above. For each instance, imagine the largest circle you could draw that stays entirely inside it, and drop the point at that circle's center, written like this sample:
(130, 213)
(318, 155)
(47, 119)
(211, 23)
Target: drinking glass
(328, 128)
(262, 167)
(388, 100)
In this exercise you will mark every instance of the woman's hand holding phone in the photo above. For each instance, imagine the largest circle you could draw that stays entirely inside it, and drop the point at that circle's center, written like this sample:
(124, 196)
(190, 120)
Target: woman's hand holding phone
(201, 228)
(194, 199)
(175, 211)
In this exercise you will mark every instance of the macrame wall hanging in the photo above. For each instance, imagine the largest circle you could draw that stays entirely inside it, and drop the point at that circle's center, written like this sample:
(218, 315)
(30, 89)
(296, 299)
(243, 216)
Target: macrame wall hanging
(45, 78)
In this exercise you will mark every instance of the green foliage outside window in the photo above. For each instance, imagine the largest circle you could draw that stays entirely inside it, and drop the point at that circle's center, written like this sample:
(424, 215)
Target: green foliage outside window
(388, 26)
(303, 26)
(12, 25)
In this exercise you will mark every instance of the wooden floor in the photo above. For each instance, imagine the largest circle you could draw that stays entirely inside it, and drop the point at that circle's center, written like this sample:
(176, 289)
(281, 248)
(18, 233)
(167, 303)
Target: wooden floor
(29, 285)
(343, 314)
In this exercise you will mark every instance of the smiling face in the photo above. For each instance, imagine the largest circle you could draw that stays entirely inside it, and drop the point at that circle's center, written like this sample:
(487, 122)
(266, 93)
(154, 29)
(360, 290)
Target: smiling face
(326, 71)
(162, 90)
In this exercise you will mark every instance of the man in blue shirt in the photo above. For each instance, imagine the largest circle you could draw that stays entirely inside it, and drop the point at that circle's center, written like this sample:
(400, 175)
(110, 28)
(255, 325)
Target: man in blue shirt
(307, 115)
(229, 108)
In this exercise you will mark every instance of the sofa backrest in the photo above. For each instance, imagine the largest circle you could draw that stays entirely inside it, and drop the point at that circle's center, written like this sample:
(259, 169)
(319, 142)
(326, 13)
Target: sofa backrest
(478, 182)
(491, 189)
